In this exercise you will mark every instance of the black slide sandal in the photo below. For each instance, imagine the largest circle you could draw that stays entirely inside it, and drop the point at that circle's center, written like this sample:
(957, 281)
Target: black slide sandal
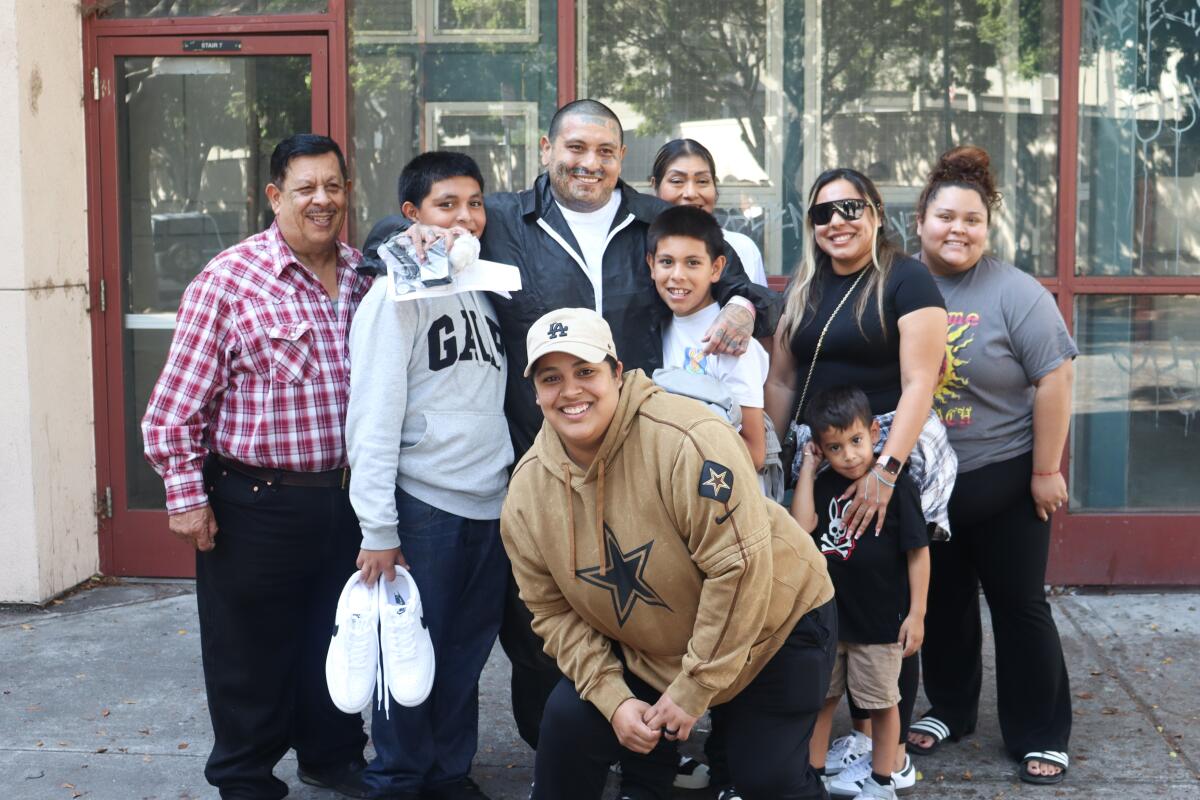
(1054, 757)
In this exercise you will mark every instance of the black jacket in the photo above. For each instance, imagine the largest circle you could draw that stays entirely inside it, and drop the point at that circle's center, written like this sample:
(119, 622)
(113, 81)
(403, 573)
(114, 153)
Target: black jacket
(526, 229)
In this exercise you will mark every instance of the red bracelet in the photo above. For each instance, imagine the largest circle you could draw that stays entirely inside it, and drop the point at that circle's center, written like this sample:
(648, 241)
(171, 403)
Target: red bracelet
(1046, 474)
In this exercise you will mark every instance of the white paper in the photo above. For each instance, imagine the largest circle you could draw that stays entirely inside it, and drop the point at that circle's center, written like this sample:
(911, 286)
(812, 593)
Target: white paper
(481, 276)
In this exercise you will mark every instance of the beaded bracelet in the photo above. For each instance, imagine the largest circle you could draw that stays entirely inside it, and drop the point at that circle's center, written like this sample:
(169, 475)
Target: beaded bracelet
(1046, 474)
(878, 477)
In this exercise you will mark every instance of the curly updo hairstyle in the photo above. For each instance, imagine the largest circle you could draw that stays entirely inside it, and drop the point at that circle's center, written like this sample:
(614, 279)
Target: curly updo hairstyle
(967, 167)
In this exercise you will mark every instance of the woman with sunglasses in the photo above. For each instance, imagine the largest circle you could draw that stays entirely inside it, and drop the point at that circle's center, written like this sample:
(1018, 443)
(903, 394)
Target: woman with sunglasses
(1005, 396)
(685, 174)
(859, 312)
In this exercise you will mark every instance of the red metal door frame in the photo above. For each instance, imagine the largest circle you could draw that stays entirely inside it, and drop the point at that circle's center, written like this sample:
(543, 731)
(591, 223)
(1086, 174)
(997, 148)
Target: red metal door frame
(1109, 548)
(568, 51)
(107, 41)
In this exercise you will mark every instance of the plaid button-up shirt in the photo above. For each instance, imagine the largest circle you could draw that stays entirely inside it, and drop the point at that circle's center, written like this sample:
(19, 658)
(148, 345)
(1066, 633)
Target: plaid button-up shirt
(258, 370)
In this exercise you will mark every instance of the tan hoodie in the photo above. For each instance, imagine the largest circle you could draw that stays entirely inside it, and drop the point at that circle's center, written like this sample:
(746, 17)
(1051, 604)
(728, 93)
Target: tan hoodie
(664, 544)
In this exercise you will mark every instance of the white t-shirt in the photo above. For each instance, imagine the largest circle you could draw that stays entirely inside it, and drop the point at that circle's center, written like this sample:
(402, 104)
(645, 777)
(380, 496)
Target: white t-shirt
(748, 252)
(590, 229)
(744, 375)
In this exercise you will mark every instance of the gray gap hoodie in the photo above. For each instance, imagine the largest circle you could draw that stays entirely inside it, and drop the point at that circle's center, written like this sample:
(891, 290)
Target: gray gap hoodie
(426, 409)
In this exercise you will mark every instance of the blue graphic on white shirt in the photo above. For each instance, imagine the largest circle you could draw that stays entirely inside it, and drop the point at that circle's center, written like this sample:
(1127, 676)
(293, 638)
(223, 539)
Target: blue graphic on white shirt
(695, 360)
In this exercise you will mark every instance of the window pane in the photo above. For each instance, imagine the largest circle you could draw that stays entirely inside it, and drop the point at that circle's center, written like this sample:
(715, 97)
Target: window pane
(1139, 143)
(1136, 431)
(501, 137)
(779, 92)
(410, 93)
(395, 16)
(194, 139)
(473, 15)
(213, 8)
(694, 69)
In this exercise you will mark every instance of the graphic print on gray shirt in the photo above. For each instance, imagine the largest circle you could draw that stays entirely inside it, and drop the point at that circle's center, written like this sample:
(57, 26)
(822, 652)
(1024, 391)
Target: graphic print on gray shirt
(1004, 334)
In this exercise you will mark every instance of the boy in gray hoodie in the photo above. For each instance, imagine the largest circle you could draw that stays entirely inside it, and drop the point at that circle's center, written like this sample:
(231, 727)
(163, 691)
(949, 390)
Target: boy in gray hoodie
(429, 451)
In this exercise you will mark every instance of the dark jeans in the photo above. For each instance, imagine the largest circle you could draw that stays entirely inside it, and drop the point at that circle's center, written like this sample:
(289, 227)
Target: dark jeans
(534, 674)
(768, 726)
(266, 596)
(460, 568)
(998, 542)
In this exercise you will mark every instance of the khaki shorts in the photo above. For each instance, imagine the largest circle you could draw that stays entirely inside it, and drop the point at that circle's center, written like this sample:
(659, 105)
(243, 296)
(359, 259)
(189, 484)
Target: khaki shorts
(872, 671)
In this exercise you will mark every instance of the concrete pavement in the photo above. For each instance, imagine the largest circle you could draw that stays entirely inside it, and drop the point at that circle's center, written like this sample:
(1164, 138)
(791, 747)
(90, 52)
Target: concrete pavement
(103, 699)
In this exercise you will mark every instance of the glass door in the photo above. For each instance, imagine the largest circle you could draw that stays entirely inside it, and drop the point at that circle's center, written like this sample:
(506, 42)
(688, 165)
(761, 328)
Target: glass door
(187, 126)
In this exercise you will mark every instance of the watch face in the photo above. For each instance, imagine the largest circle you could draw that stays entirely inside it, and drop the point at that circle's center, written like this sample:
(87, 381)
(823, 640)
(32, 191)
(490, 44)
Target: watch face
(890, 464)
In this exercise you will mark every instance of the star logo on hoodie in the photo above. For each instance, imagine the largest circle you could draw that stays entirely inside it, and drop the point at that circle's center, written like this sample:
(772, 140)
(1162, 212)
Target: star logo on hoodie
(716, 481)
(623, 576)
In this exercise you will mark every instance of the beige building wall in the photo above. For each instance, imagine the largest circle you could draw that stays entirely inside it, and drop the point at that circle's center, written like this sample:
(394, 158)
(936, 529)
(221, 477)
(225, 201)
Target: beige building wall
(48, 525)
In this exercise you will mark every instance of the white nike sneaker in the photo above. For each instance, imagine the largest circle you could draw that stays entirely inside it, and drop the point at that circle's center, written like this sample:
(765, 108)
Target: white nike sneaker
(849, 782)
(845, 751)
(407, 650)
(905, 779)
(353, 657)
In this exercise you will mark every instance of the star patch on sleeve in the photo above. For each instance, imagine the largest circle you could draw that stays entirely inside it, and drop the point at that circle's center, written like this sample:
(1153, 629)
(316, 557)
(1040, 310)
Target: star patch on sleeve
(716, 481)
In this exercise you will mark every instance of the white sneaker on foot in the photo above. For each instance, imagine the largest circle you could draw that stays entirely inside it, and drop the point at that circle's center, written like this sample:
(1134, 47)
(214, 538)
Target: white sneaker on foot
(873, 791)
(353, 656)
(905, 779)
(849, 782)
(845, 751)
(691, 774)
(407, 650)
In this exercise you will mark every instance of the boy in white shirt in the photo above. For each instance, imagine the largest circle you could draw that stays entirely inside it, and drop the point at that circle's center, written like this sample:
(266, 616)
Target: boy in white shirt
(683, 249)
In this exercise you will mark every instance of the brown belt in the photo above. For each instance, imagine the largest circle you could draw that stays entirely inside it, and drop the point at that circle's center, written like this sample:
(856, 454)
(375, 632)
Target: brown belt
(336, 478)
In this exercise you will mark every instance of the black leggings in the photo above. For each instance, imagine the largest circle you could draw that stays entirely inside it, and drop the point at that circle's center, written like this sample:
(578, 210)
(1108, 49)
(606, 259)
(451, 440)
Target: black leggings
(768, 726)
(998, 542)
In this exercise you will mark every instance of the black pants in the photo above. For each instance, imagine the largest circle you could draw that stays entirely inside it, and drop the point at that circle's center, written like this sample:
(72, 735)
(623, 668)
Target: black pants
(768, 727)
(998, 542)
(534, 674)
(266, 596)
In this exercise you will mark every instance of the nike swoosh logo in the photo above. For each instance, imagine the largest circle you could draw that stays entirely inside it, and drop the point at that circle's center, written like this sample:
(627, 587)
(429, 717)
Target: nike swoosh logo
(720, 519)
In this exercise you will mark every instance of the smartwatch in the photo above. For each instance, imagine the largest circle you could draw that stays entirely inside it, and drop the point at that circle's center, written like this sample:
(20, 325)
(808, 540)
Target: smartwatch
(889, 465)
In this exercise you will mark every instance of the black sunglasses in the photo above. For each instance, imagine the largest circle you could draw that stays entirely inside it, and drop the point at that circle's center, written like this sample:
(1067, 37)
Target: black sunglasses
(822, 213)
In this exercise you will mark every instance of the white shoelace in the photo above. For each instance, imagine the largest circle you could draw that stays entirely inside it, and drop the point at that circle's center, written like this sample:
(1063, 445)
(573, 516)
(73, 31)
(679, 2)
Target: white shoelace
(358, 648)
(843, 747)
(839, 748)
(401, 639)
(381, 692)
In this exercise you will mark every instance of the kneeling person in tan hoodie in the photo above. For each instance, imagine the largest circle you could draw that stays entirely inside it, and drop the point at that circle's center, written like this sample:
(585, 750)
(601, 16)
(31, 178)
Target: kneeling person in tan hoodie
(661, 580)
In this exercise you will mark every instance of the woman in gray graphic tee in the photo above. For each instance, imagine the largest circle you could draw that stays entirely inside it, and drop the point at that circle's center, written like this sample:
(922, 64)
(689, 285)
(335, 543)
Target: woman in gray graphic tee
(1004, 395)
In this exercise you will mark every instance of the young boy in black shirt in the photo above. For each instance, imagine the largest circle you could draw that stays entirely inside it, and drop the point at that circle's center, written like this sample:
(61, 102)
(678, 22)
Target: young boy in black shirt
(880, 581)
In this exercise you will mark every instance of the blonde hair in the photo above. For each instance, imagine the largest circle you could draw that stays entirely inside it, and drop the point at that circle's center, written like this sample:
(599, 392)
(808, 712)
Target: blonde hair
(800, 298)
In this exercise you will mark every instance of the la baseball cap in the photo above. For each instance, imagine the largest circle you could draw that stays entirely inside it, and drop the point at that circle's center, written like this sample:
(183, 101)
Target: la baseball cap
(578, 331)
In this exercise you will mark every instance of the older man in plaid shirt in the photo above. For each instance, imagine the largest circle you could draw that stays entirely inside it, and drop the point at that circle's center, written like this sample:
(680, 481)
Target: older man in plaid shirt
(245, 428)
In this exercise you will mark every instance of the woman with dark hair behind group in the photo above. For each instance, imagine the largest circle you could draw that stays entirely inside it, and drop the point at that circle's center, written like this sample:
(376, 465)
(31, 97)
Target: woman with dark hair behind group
(685, 174)
(1005, 397)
